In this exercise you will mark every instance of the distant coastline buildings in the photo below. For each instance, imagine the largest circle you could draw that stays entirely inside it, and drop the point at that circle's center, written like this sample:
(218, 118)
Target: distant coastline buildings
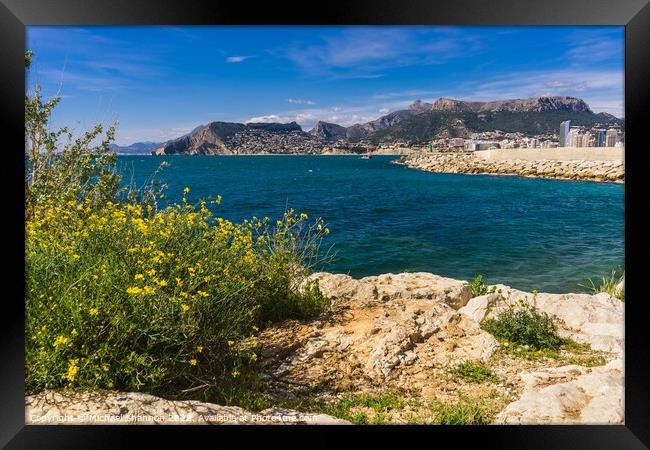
(564, 133)
(578, 136)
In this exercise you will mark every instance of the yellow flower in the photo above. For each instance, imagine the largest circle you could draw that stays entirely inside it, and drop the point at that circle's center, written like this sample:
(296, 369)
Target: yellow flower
(231, 343)
(253, 357)
(151, 272)
(304, 216)
(193, 362)
(185, 307)
(74, 332)
(255, 328)
(235, 373)
(134, 290)
(60, 341)
(73, 368)
(162, 283)
(202, 293)
(139, 276)
(199, 349)
(148, 290)
(186, 190)
(93, 311)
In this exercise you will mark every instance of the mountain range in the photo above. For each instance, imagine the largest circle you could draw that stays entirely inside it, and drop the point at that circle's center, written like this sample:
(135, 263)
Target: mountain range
(419, 123)
(137, 148)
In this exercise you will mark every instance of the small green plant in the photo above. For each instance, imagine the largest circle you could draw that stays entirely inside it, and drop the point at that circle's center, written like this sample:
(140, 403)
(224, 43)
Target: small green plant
(380, 404)
(474, 371)
(463, 412)
(526, 327)
(480, 288)
(609, 284)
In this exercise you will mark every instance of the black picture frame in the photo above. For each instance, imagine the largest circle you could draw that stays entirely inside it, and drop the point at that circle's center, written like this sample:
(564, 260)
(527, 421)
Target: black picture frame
(15, 15)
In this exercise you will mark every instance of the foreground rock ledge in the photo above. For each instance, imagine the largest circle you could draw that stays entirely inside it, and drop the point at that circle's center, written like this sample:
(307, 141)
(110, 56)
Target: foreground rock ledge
(405, 331)
(134, 408)
(402, 332)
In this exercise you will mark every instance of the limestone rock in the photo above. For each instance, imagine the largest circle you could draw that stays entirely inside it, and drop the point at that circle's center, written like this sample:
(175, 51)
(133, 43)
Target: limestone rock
(134, 408)
(570, 394)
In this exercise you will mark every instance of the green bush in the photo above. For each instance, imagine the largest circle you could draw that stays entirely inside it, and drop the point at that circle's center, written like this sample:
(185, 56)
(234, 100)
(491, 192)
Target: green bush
(525, 326)
(123, 295)
(125, 298)
(479, 287)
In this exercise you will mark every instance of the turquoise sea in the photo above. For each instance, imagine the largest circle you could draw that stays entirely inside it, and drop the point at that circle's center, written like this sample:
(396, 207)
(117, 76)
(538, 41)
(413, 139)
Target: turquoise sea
(528, 233)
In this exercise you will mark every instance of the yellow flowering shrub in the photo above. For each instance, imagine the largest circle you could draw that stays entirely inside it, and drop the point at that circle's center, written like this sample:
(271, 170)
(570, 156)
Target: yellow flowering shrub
(125, 296)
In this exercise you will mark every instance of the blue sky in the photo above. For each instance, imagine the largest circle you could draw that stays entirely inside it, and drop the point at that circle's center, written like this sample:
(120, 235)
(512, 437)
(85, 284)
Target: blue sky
(161, 82)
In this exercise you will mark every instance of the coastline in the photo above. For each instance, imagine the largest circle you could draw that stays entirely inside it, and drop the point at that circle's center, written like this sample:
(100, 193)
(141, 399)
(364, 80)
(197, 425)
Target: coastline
(470, 164)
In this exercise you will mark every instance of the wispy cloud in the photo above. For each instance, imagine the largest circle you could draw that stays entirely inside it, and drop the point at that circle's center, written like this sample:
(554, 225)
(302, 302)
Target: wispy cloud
(298, 101)
(589, 46)
(237, 59)
(363, 52)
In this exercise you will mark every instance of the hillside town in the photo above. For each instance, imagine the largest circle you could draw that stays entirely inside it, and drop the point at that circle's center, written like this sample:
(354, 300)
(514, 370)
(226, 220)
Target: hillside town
(567, 136)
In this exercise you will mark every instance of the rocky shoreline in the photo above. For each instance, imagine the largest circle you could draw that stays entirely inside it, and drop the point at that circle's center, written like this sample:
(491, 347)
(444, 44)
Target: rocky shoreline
(600, 171)
(405, 333)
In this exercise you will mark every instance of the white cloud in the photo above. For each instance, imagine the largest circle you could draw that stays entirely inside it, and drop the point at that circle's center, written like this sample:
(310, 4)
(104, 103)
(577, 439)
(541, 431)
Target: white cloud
(344, 115)
(236, 59)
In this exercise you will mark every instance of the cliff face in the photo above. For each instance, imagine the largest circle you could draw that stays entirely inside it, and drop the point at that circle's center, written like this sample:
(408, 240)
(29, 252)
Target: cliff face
(225, 138)
(534, 104)
(206, 140)
(328, 131)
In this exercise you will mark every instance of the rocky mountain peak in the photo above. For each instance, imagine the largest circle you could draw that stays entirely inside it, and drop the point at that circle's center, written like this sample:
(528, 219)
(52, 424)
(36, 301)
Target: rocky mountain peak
(533, 104)
(419, 106)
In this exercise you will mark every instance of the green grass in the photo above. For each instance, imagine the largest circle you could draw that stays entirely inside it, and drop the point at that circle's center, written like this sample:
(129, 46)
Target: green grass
(380, 404)
(474, 372)
(578, 354)
(463, 412)
(608, 284)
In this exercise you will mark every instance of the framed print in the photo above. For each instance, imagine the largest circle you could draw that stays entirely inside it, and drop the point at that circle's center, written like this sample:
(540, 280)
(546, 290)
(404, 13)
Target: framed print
(417, 215)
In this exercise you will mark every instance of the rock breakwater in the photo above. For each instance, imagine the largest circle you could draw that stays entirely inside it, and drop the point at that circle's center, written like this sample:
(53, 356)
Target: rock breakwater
(467, 163)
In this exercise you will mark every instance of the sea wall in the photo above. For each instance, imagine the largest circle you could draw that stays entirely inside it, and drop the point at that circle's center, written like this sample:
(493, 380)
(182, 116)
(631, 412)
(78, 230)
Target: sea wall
(554, 154)
(516, 163)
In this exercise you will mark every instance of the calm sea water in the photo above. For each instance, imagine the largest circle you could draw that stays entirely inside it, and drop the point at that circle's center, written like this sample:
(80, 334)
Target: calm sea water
(527, 233)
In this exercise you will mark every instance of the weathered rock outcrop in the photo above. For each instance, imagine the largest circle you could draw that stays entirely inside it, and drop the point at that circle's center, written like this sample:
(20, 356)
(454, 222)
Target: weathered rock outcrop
(612, 171)
(133, 408)
(406, 332)
(534, 104)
